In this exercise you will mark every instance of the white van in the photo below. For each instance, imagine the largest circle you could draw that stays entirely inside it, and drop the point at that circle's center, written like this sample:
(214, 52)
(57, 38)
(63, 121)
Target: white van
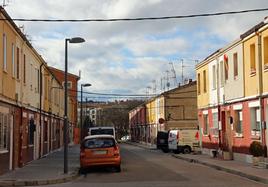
(101, 130)
(184, 140)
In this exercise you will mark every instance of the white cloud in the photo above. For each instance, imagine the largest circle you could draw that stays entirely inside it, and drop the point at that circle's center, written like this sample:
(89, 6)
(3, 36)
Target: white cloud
(129, 55)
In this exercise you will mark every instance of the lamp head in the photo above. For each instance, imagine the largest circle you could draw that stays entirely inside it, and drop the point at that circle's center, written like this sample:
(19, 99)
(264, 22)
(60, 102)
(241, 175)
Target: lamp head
(76, 40)
(86, 85)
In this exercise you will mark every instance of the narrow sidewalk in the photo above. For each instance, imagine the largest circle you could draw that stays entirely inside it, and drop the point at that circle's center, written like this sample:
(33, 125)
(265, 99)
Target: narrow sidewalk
(47, 170)
(234, 167)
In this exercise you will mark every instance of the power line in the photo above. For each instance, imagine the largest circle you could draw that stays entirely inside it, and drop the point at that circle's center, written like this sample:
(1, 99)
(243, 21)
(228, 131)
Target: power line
(138, 18)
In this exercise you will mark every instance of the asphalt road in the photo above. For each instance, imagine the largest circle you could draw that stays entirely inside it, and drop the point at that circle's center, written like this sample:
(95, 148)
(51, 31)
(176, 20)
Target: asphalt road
(152, 168)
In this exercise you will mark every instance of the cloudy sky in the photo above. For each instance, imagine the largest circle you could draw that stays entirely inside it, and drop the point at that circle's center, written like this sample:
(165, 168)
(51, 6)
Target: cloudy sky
(126, 57)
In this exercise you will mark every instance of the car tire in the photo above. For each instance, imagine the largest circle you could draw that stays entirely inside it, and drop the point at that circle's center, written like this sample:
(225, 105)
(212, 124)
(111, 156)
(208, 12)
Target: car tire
(118, 169)
(187, 150)
(165, 150)
(82, 171)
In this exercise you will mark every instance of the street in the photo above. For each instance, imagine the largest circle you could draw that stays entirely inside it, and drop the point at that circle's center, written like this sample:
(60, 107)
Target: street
(142, 167)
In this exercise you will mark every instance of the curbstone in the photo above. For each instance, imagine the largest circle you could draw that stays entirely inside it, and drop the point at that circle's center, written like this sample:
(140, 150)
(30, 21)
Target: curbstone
(73, 176)
(221, 168)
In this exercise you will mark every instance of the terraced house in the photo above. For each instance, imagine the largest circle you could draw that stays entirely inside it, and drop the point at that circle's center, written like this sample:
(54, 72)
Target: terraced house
(31, 100)
(232, 86)
(173, 109)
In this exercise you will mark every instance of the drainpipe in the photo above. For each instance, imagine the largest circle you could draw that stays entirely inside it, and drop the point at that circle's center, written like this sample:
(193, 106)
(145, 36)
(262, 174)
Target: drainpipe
(218, 101)
(260, 86)
(40, 103)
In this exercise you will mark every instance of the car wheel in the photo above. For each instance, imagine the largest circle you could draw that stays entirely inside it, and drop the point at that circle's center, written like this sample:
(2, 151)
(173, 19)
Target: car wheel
(165, 150)
(118, 168)
(187, 150)
(82, 171)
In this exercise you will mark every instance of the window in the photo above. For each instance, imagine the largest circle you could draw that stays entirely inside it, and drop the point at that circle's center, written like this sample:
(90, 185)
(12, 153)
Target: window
(235, 59)
(205, 130)
(45, 131)
(69, 84)
(215, 120)
(214, 76)
(238, 121)
(255, 121)
(38, 80)
(31, 76)
(252, 59)
(265, 52)
(18, 63)
(4, 52)
(226, 68)
(222, 73)
(215, 129)
(205, 81)
(13, 60)
(198, 80)
(31, 131)
(24, 69)
(3, 131)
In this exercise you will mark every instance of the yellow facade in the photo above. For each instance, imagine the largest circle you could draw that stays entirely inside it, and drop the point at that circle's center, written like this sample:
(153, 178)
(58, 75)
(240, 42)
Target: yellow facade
(265, 60)
(150, 112)
(8, 82)
(202, 85)
(251, 75)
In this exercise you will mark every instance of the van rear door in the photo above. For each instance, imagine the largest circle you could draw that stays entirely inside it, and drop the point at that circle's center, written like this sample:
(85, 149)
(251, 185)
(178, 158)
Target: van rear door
(173, 140)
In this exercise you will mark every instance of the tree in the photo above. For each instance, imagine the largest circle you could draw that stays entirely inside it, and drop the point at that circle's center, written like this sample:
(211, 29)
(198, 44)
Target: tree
(117, 115)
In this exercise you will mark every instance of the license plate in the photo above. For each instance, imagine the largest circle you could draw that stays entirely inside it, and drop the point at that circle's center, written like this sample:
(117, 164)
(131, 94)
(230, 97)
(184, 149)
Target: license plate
(100, 152)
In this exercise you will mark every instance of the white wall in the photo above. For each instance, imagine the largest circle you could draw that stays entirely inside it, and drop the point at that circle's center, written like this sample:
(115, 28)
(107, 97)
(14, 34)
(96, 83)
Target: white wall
(212, 91)
(234, 88)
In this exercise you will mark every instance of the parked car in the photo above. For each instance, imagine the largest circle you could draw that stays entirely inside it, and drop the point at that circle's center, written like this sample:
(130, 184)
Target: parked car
(184, 140)
(125, 138)
(100, 150)
(162, 141)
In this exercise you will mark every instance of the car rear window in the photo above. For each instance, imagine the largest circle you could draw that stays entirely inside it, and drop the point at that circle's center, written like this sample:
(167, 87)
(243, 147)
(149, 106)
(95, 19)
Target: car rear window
(99, 143)
(102, 131)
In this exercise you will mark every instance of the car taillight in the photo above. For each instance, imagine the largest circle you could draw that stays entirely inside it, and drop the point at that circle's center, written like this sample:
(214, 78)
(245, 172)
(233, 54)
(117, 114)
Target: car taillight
(82, 153)
(116, 151)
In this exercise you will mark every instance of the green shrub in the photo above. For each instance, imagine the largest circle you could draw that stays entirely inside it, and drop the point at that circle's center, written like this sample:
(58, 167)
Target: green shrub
(256, 149)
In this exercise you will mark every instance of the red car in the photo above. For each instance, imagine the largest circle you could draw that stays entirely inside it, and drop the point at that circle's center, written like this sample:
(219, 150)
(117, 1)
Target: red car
(100, 150)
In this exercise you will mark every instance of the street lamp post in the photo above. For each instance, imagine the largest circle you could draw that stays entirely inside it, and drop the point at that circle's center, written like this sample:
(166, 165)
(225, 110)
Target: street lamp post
(81, 110)
(66, 132)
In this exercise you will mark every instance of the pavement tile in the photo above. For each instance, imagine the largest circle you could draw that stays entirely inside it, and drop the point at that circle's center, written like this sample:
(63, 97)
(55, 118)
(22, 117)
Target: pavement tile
(47, 170)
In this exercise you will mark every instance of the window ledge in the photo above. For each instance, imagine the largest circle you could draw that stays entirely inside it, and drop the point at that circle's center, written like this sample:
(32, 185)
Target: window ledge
(239, 135)
(31, 145)
(205, 135)
(255, 137)
(252, 73)
(215, 136)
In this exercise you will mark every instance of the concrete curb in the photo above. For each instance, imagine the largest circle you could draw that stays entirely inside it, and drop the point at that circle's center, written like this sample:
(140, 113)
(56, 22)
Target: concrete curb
(221, 168)
(7, 183)
(140, 145)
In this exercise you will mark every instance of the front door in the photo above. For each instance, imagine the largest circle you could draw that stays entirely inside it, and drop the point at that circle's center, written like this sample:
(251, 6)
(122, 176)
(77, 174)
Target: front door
(229, 134)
